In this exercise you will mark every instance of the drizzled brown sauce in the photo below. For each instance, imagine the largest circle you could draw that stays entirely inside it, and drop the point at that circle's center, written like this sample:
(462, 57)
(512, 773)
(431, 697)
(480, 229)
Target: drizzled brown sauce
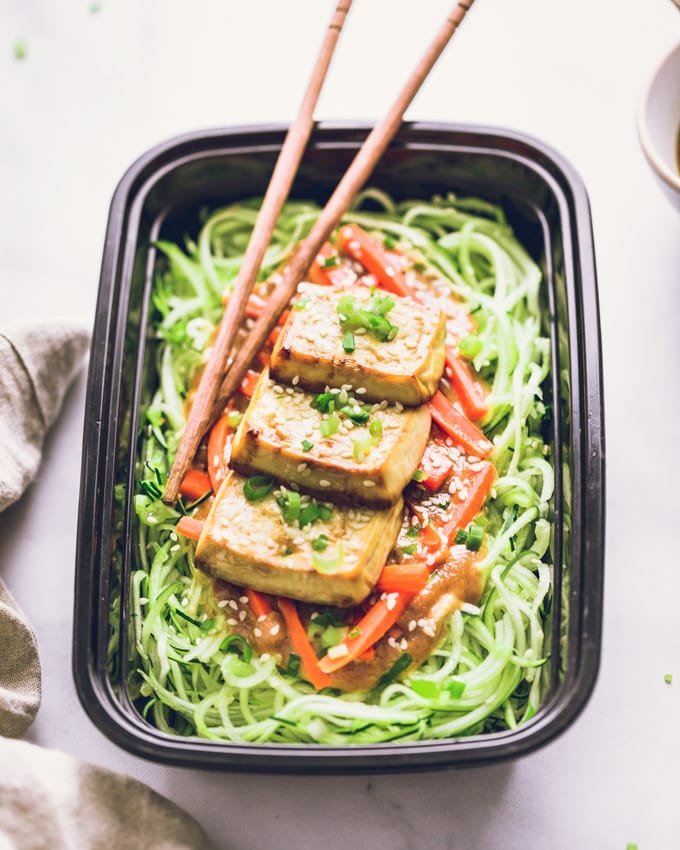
(455, 580)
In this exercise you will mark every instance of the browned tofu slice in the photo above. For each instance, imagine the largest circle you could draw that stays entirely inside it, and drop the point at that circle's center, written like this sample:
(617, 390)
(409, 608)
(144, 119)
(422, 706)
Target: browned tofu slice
(350, 465)
(406, 369)
(250, 543)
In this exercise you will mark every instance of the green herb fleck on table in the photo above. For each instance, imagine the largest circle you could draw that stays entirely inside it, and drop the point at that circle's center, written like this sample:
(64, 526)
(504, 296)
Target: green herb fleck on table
(20, 49)
(668, 678)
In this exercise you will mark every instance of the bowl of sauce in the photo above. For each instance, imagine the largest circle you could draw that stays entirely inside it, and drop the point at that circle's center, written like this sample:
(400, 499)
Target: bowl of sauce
(658, 124)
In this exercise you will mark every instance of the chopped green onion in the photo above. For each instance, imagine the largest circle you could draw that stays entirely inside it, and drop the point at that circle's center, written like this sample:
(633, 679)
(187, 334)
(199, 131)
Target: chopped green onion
(328, 566)
(330, 262)
(390, 243)
(470, 346)
(357, 416)
(320, 543)
(310, 513)
(307, 446)
(301, 303)
(329, 426)
(332, 635)
(348, 342)
(293, 666)
(325, 402)
(239, 645)
(475, 537)
(668, 678)
(206, 625)
(398, 667)
(355, 632)
(20, 49)
(461, 536)
(411, 549)
(455, 687)
(414, 530)
(361, 447)
(257, 487)
(290, 504)
(418, 475)
(375, 429)
(234, 418)
(372, 317)
(425, 688)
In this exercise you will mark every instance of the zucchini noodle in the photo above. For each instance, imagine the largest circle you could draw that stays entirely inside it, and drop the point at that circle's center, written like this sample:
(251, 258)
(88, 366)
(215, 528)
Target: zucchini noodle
(489, 672)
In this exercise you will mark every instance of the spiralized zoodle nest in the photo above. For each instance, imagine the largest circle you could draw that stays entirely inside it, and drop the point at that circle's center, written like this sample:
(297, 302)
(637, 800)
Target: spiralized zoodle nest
(488, 670)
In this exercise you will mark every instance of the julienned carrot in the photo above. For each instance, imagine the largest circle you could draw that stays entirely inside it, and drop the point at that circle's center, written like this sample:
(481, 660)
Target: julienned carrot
(298, 636)
(196, 484)
(190, 527)
(370, 628)
(410, 577)
(219, 438)
(468, 389)
(458, 426)
(259, 604)
(476, 484)
(249, 383)
(328, 270)
(356, 243)
(435, 465)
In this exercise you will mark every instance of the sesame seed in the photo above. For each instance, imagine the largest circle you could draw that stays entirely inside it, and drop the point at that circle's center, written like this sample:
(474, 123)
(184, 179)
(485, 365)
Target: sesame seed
(222, 603)
(301, 467)
(296, 380)
(275, 629)
(241, 615)
(403, 644)
(429, 631)
(257, 632)
(261, 618)
(232, 622)
(399, 406)
(411, 626)
(243, 600)
(324, 483)
(233, 605)
(360, 390)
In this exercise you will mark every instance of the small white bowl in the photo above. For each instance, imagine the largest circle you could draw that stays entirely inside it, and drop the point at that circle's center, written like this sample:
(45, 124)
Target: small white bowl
(658, 124)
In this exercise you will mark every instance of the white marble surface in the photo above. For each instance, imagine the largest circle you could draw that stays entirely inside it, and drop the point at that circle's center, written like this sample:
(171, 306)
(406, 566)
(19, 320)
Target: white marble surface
(97, 89)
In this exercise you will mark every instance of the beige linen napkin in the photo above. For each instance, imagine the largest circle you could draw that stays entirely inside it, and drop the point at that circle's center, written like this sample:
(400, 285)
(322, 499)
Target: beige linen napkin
(38, 362)
(49, 800)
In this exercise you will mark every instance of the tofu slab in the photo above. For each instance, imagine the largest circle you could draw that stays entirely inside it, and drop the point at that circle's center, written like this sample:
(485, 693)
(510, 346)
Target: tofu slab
(250, 544)
(406, 369)
(279, 419)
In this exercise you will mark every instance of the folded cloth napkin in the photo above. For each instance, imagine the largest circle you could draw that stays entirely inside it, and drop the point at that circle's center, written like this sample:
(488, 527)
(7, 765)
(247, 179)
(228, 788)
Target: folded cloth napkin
(38, 362)
(49, 800)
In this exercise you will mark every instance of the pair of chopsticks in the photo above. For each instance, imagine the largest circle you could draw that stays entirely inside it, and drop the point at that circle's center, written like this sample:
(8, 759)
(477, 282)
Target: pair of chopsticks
(221, 377)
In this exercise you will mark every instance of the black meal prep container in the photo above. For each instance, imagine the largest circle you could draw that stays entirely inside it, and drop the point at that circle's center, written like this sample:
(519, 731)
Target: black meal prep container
(160, 195)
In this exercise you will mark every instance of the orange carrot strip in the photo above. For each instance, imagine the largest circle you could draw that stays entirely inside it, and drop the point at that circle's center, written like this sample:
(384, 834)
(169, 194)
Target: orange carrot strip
(355, 242)
(259, 604)
(249, 383)
(219, 438)
(329, 275)
(458, 426)
(435, 465)
(477, 483)
(468, 389)
(372, 626)
(301, 644)
(190, 527)
(410, 577)
(196, 484)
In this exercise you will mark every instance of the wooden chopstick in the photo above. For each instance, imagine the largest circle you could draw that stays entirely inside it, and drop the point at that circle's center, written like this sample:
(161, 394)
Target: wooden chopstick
(356, 175)
(204, 403)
